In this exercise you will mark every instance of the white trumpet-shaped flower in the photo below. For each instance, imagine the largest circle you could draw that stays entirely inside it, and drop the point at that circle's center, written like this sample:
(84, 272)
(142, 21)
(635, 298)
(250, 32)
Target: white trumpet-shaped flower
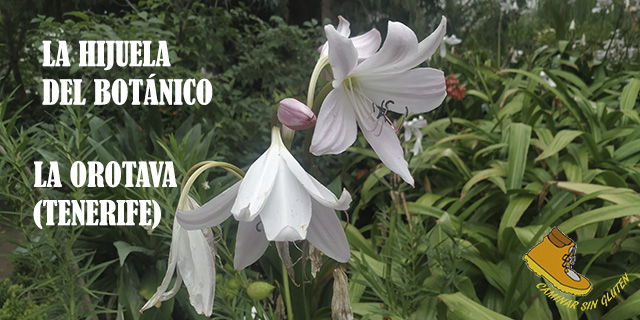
(364, 91)
(192, 255)
(276, 201)
(412, 128)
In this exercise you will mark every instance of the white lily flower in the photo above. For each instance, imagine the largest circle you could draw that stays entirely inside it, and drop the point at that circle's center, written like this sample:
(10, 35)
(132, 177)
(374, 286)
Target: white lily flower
(572, 25)
(452, 41)
(412, 128)
(361, 89)
(192, 255)
(276, 201)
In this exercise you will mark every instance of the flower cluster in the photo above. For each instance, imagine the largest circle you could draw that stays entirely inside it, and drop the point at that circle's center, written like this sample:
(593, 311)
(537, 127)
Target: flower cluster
(277, 200)
(454, 90)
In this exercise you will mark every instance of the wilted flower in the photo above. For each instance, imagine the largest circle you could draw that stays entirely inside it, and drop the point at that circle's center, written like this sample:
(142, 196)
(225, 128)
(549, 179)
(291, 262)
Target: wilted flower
(340, 304)
(452, 41)
(192, 255)
(295, 114)
(276, 201)
(412, 128)
(364, 92)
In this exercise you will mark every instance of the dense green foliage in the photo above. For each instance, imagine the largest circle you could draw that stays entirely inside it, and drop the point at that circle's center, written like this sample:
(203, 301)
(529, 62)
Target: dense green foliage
(513, 158)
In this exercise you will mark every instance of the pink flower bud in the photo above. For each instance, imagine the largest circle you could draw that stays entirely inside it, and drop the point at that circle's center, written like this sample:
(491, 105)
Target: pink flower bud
(295, 114)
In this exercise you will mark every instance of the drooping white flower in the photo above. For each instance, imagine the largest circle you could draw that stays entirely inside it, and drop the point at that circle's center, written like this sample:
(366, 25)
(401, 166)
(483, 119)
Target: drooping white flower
(361, 89)
(572, 25)
(452, 41)
(192, 255)
(412, 128)
(276, 201)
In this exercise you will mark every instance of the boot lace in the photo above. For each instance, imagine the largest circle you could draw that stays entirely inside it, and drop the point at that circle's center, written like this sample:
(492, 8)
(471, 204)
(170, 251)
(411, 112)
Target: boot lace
(569, 259)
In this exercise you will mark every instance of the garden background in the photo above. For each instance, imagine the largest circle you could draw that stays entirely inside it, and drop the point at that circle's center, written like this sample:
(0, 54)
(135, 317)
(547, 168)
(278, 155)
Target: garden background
(546, 133)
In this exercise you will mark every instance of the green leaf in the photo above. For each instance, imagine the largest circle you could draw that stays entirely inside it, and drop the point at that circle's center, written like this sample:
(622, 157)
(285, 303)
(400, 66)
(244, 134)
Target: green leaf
(124, 249)
(519, 139)
(512, 214)
(466, 308)
(561, 140)
(597, 215)
(479, 176)
(626, 310)
(616, 195)
(357, 240)
(629, 95)
(77, 14)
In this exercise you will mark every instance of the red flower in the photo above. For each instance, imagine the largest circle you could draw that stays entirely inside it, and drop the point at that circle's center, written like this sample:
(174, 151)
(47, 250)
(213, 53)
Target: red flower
(453, 89)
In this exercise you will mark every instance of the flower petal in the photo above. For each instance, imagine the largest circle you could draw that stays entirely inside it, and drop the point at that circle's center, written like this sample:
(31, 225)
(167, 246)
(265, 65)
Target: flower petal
(385, 143)
(343, 55)
(336, 127)
(196, 265)
(419, 90)
(171, 267)
(258, 182)
(367, 44)
(326, 233)
(251, 243)
(212, 213)
(287, 212)
(343, 26)
(318, 191)
(443, 50)
(403, 52)
(401, 43)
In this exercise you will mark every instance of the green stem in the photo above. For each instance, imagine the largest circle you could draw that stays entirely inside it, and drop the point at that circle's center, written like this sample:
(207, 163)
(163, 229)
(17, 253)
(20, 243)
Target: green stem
(287, 294)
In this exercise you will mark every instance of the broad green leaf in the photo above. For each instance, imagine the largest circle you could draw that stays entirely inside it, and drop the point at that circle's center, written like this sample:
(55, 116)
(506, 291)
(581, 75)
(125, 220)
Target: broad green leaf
(519, 138)
(627, 309)
(466, 308)
(597, 215)
(512, 214)
(629, 95)
(479, 176)
(617, 195)
(357, 240)
(561, 140)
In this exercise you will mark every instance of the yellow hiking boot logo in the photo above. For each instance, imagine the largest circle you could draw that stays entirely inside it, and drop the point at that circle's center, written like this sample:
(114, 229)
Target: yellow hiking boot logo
(553, 259)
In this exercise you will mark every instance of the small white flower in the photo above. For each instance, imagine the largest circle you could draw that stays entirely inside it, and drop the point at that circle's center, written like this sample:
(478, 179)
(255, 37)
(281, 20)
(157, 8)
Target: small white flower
(192, 255)
(546, 78)
(412, 128)
(205, 185)
(276, 201)
(452, 41)
(572, 25)
(506, 6)
(516, 55)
